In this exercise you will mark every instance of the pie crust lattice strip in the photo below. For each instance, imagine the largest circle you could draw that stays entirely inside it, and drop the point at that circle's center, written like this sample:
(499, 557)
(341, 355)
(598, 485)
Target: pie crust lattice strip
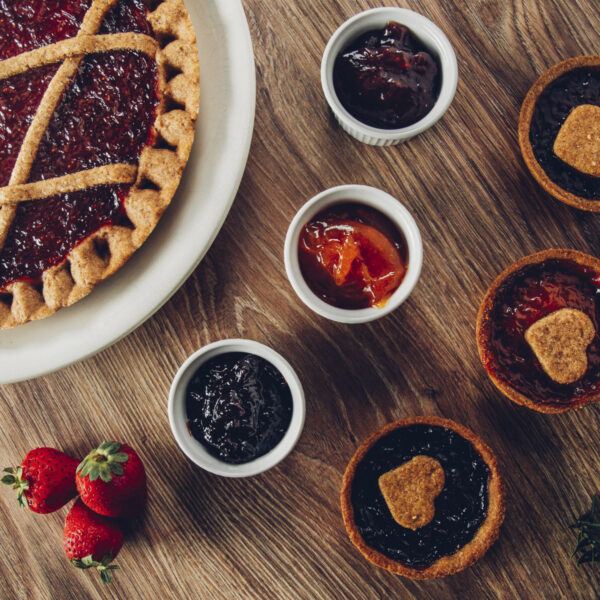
(153, 180)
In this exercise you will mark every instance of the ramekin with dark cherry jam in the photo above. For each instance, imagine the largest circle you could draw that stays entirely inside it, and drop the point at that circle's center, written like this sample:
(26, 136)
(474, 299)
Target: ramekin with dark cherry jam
(387, 78)
(352, 256)
(534, 288)
(238, 406)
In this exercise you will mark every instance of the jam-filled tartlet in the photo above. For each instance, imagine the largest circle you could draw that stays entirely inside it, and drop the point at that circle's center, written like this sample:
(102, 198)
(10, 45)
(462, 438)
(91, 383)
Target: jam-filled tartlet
(423, 497)
(537, 331)
(559, 131)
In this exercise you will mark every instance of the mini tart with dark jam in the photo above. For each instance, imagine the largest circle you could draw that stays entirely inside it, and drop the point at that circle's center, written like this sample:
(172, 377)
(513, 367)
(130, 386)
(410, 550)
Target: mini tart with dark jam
(423, 498)
(566, 86)
(98, 104)
(535, 288)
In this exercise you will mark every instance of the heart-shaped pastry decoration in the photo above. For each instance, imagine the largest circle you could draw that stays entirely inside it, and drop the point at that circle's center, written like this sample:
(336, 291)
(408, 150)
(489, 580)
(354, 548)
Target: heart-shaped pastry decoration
(411, 489)
(559, 342)
(578, 140)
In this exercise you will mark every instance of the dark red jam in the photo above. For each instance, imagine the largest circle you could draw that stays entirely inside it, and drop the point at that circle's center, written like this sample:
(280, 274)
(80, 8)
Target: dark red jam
(239, 406)
(527, 296)
(576, 87)
(460, 509)
(104, 117)
(352, 256)
(29, 24)
(387, 78)
(127, 16)
(36, 242)
(20, 97)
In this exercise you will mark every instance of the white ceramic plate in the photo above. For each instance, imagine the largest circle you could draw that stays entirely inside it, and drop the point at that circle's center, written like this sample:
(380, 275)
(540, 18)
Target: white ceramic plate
(187, 229)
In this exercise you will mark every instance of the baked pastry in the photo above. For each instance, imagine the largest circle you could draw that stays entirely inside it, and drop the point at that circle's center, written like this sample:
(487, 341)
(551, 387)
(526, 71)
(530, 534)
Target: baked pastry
(559, 131)
(98, 104)
(537, 331)
(423, 497)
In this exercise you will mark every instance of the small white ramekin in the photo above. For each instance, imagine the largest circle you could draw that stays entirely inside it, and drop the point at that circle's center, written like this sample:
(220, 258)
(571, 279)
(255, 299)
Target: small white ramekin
(194, 450)
(379, 200)
(428, 33)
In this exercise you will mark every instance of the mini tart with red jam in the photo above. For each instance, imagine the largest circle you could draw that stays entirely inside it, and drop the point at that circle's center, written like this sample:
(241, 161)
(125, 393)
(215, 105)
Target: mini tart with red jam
(537, 331)
(98, 104)
(559, 131)
(423, 498)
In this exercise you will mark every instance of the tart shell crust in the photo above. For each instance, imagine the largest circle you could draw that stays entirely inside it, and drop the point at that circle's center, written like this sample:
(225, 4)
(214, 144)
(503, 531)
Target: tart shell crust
(483, 329)
(525, 117)
(469, 554)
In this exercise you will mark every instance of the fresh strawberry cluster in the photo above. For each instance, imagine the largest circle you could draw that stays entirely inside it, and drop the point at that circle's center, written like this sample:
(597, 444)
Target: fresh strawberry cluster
(111, 483)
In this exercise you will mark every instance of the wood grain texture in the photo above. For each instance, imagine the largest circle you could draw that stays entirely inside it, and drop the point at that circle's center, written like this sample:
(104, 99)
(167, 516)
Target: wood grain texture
(280, 535)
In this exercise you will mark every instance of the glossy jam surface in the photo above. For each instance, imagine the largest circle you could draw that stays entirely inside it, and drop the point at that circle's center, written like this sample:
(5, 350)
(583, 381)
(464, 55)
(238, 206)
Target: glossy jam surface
(29, 24)
(524, 298)
(37, 242)
(20, 96)
(104, 117)
(239, 406)
(386, 78)
(352, 256)
(460, 509)
(127, 15)
(580, 86)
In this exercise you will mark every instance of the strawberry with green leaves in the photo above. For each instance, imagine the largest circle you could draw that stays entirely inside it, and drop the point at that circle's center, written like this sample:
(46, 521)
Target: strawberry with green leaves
(45, 481)
(91, 541)
(111, 480)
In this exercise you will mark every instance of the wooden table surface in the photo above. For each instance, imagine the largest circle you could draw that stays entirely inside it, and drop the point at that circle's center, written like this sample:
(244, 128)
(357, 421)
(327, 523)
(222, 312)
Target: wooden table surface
(280, 535)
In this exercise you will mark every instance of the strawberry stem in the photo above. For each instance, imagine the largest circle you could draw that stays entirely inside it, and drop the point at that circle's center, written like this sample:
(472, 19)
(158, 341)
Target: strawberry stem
(14, 477)
(103, 462)
(103, 566)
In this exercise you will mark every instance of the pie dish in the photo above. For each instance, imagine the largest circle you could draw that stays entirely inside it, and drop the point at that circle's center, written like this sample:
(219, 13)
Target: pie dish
(537, 331)
(100, 98)
(559, 131)
(423, 497)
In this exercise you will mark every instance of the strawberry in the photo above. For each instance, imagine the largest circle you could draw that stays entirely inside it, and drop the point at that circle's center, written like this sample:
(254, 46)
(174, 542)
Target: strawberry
(91, 541)
(111, 480)
(45, 480)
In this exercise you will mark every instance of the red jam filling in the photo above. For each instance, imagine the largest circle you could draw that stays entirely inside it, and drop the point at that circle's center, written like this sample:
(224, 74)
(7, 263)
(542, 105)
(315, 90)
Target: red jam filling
(36, 242)
(29, 24)
(19, 98)
(386, 78)
(352, 256)
(527, 296)
(104, 117)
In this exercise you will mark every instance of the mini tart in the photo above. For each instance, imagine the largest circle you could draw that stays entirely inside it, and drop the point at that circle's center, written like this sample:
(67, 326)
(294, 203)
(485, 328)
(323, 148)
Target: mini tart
(509, 361)
(528, 128)
(481, 533)
(99, 100)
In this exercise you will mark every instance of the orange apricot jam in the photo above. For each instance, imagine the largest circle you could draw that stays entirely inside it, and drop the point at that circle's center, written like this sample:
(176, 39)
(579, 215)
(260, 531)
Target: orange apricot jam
(352, 256)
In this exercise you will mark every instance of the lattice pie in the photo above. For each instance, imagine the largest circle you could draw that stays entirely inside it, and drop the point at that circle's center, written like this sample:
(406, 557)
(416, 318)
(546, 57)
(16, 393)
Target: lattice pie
(98, 101)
